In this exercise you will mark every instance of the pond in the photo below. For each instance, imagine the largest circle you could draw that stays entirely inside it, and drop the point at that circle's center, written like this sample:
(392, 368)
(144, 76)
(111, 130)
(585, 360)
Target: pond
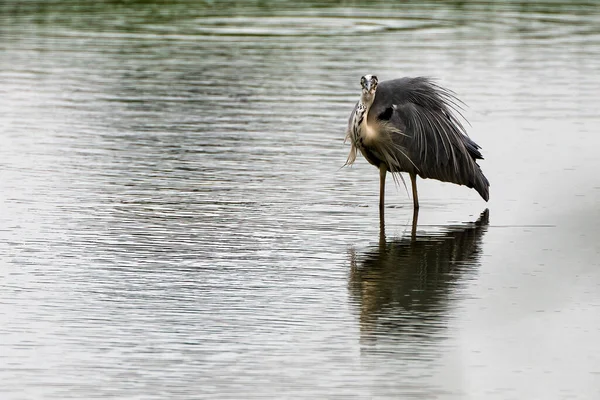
(176, 221)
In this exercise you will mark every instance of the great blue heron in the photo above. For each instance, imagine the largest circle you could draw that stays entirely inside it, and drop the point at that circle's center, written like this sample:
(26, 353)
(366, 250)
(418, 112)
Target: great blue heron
(410, 125)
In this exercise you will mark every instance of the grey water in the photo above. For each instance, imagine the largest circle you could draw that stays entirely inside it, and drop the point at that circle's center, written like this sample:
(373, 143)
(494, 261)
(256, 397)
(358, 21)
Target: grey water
(176, 221)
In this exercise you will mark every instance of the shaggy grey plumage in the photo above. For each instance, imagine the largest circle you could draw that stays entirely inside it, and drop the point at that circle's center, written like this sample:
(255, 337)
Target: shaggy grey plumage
(412, 125)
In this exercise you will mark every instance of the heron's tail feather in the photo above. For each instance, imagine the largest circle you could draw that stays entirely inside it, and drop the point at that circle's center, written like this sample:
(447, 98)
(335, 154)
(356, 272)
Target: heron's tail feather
(481, 184)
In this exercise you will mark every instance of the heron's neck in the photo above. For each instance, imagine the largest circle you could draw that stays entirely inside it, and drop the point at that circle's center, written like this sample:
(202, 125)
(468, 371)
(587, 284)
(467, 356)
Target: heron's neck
(365, 102)
(364, 105)
(361, 132)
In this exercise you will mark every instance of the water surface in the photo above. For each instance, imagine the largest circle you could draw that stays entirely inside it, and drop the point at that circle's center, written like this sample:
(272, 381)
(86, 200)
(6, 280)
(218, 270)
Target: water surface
(176, 222)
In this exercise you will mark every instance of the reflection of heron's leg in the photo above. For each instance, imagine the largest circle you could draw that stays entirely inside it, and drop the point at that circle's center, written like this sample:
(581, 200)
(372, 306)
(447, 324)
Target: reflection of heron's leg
(413, 180)
(382, 171)
(381, 228)
(413, 232)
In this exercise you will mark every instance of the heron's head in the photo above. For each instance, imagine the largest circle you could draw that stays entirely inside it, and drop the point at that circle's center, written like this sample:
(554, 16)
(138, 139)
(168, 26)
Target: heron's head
(369, 83)
(369, 86)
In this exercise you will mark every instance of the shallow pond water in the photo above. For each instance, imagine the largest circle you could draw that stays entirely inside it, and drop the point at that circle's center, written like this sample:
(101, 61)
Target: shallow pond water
(175, 221)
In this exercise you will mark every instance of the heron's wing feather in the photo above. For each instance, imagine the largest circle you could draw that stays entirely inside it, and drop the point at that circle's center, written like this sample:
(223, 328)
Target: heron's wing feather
(433, 136)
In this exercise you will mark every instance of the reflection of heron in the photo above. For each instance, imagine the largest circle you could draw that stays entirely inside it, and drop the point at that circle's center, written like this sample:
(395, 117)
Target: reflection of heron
(409, 125)
(403, 286)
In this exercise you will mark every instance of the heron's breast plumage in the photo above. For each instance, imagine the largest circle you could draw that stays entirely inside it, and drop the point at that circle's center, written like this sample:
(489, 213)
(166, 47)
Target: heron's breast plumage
(367, 138)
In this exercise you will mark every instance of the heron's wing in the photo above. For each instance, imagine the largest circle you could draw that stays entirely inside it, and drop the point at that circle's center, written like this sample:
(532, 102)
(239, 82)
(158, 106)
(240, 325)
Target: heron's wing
(433, 136)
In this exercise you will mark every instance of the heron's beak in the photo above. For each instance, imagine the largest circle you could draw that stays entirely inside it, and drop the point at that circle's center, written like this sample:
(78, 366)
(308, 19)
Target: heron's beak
(368, 86)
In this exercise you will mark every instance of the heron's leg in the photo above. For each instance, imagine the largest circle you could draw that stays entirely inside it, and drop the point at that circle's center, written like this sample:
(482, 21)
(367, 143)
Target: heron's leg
(382, 172)
(413, 180)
